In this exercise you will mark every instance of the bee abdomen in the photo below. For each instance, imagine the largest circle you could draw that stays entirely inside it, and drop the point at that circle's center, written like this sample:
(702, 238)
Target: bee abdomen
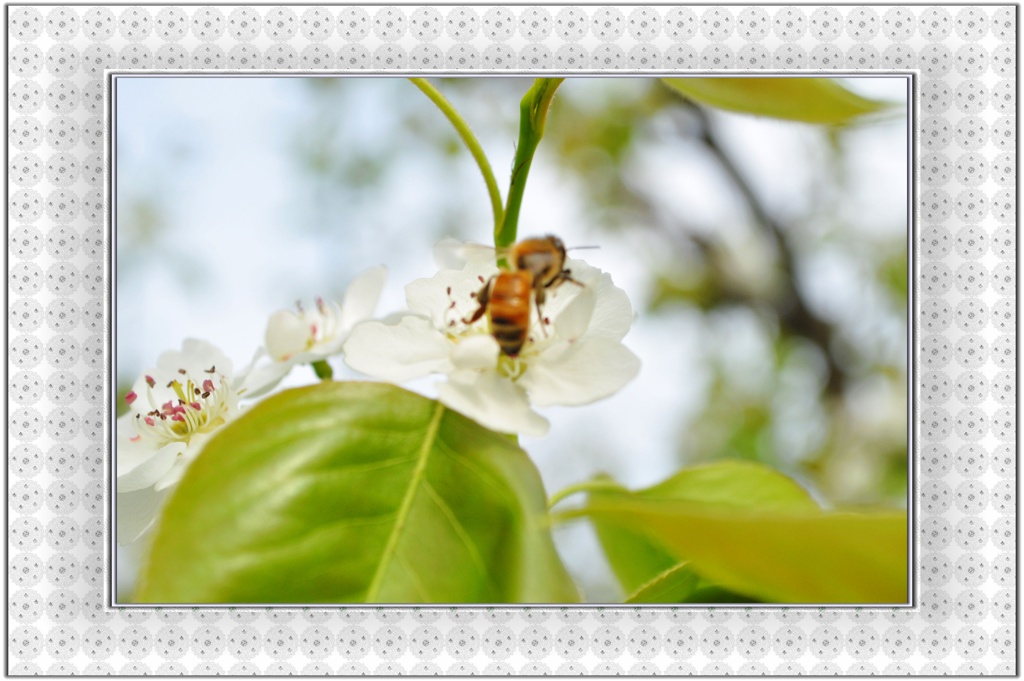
(510, 336)
(509, 310)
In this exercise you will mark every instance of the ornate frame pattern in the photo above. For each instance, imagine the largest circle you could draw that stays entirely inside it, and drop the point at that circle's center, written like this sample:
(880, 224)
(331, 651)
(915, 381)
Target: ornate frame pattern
(965, 614)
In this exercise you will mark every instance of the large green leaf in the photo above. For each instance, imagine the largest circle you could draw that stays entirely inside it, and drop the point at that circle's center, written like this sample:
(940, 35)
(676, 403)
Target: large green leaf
(810, 100)
(356, 492)
(733, 483)
(779, 556)
(636, 558)
(682, 584)
(633, 557)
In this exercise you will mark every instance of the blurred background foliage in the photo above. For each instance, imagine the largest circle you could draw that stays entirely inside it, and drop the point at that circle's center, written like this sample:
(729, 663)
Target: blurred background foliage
(766, 260)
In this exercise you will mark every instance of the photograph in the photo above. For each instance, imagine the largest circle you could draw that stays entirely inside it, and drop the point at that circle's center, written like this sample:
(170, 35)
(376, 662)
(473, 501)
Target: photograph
(506, 340)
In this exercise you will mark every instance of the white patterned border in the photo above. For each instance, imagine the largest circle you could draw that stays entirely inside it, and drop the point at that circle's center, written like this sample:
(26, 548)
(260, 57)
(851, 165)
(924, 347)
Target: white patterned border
(57, 553)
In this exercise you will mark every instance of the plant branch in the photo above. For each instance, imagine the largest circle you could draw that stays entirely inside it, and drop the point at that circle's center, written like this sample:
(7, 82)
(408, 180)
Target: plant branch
(533, 111)
(794, 312)
(471, 142)
(562, 517)
(585, 486)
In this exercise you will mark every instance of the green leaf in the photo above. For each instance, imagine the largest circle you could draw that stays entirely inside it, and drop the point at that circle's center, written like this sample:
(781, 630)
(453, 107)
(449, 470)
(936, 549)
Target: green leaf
(636, 559)
(674, 585)
(356, 492)
(810, 100)
(681, 584)
(633, 557)
(780, 556)
(733, 483)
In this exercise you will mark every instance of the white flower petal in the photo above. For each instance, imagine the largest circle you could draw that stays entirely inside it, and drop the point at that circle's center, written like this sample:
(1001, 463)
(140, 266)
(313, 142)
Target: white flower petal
(476, 352)
(177, 470)
(573, 321)
(398, 352)
(149, 470)
(287, 335)
(582, 271)
(135, 450)
(361, 298)
(430, 297)
(181, 464)
(579, 373)
(136, 512)
(452, 254)
(260, 380)
(613, 313)
(449, 254)
(493, 401)
(260, 352)
(433, 297)
(160, 391)
(195, 356)
(329, 338)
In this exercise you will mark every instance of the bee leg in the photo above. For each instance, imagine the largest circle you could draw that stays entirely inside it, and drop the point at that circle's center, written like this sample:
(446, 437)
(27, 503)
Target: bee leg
(566, 275)
(482, 297)
(538, 300)
(540, 295)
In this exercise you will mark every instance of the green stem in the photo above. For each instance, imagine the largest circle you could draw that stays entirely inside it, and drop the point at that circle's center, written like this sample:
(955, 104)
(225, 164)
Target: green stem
(585, 486)
(561, 517)
(469, 139)
(533, 112)
(323, 370)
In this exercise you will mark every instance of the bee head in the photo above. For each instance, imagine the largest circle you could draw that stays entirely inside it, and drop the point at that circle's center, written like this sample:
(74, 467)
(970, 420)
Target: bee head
(556, 243)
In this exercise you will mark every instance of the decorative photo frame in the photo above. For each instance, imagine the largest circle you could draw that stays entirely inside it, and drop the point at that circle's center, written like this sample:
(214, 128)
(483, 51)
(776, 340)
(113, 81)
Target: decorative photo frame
(59, 617)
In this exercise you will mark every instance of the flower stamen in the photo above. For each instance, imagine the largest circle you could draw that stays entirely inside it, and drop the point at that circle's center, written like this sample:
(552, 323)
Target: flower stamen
(511, 367)
(194, 411)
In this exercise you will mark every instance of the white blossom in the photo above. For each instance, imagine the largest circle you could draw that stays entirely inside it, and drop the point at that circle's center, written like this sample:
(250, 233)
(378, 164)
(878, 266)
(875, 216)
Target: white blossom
(309, 335)
(573, 354)
(174, 409)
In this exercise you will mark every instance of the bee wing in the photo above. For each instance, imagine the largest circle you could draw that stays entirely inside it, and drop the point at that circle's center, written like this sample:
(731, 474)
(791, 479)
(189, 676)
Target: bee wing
(454, 254)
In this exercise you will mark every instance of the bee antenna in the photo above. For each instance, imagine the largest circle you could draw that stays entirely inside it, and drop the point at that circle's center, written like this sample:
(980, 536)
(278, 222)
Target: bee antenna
(583, 248)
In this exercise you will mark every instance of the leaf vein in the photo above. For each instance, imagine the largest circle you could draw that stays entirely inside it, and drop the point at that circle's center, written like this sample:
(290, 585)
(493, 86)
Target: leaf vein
(486, 477)
(421, 589)
(459, 529)
(373, 591)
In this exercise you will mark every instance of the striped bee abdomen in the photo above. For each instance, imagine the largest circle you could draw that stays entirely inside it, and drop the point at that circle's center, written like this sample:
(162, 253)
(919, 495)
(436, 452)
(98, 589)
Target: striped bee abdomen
(509, 310)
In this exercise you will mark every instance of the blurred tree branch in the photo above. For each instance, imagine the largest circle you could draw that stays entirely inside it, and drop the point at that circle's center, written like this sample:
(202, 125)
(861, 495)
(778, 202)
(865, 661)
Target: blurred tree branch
(793, 311)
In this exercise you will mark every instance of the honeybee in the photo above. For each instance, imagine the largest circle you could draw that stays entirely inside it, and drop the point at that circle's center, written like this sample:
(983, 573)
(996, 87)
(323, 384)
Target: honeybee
(535, 266)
